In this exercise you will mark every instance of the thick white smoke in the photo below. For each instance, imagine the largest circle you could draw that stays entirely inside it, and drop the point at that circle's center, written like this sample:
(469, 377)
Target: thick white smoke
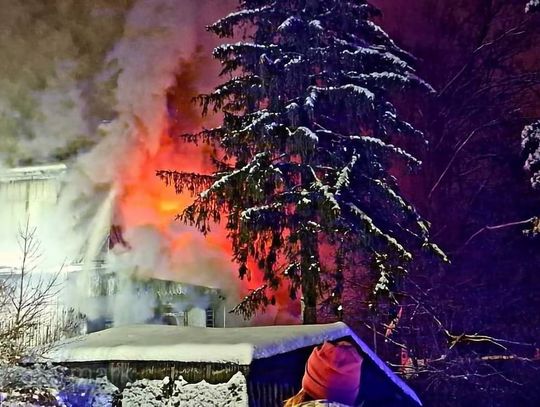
(158, 34)
(55, 85)
(95, 84)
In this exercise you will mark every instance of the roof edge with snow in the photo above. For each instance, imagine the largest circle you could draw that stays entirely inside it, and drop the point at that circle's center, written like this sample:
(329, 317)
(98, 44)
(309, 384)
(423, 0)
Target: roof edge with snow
(38, 172)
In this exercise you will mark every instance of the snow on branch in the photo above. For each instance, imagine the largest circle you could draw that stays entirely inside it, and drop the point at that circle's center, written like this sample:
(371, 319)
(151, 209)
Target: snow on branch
(303, 141)
(262, 216)
(386, 80)
(241, 55)
(370, 56)
(356, 96)
(256, 120)
(236, 90)
(359, 93)
(377, 143)
(241, 49)
(206, 208)
(393, 123)
(409, 211)
(292, 23)
(383, 38)
(343, 180)
(260, 160)
(400, 204)
(316, 26)
(225, 26)
(373, 230)
(326, 196)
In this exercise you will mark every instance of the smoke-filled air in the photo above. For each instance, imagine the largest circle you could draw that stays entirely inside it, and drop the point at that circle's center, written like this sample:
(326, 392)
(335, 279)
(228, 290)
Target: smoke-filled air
(103, 90)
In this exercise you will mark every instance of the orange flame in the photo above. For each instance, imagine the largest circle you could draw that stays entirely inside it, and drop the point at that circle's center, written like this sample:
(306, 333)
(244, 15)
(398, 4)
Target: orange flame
(145, 200)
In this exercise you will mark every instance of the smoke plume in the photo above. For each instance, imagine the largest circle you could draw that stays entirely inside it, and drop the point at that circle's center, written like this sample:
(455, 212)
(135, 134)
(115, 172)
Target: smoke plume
(55, 83)
(99, 85)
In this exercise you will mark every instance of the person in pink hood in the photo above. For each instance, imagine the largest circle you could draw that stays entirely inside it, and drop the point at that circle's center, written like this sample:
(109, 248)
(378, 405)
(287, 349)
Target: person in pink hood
(331, 378)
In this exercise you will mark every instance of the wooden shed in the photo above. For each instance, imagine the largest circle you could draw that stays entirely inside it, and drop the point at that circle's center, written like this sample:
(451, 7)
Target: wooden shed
(271, 358)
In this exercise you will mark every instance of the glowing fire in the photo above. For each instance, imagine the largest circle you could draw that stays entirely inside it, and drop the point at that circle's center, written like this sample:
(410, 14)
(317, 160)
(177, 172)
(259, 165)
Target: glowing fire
(145, 201)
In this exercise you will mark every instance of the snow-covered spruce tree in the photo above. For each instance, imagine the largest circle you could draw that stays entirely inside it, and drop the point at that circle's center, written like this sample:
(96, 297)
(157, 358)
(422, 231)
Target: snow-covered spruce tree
(305, 148)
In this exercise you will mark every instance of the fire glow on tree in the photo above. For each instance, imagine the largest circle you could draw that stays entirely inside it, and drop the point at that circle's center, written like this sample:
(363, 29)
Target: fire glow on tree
(304, 150)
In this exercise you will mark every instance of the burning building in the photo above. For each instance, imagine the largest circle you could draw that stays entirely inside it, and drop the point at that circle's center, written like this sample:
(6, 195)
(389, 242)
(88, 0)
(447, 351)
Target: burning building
(138, 86)
(29, 198)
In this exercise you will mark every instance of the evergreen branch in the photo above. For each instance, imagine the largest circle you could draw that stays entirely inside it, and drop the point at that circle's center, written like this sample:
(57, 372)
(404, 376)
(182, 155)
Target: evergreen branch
(326, 193)
(343, 180)
(302, 141)
(207, 136)
(384, 60)
(262, 216)
(225, 26)
(261, 160)
(248, 52)
(222, 166)
(400, 204)
(387, 80)
(251, 303)
(201, 213)
(255, 121)
(372, 230)
(190, 181)
(384, 39)
(390, 120)
(291, 26)
(434, 248)
(236, 90)
(241, 55)
(358, 93)
(379, 144)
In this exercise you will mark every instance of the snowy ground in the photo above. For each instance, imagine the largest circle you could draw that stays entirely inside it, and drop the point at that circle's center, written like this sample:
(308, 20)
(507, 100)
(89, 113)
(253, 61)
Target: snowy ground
(46, 385)
(180, 393)
(53, 386)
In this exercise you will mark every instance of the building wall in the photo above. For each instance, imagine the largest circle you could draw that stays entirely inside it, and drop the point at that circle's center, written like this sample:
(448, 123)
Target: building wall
(25, 196)
(28, 198)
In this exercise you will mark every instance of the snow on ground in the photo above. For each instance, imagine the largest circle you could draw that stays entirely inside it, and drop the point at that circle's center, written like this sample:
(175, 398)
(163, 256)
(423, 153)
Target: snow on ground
(46, 385)
(180, 393)
(42, 385)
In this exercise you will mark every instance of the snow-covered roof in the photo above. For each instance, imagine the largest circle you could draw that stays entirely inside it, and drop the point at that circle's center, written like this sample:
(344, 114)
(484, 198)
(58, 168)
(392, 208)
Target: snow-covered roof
(39, 172)
(194, 344)
(216, 345)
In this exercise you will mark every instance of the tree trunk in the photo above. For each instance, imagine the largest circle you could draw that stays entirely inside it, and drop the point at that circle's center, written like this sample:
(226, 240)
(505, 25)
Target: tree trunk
(310, 278)
(310, 315)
